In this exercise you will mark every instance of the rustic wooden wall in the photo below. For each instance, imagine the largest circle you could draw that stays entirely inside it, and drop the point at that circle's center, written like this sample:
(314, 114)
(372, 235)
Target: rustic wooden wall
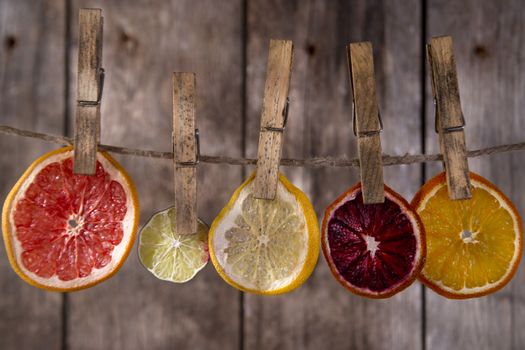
(226, 45)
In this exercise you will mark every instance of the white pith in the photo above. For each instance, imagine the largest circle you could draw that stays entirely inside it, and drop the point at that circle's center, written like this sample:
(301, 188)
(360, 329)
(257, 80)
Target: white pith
(517, 240)
(119, 250)
(371, 244)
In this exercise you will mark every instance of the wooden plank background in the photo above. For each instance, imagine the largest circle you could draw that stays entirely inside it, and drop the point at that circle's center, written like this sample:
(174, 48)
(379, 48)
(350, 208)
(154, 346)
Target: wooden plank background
(226, 45)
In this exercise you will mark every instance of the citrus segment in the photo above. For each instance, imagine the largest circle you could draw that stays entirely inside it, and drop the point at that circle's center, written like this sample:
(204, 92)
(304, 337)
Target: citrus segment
(265, 246)
(374, 250)
(473, 246)
(64, 231)
(171, 256)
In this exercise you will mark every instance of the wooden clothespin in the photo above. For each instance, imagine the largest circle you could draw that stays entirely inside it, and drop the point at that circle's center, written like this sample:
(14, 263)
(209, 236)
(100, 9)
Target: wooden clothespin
(273, 119)
(89, 91)
(367, 121)
(185, 152)
(450, 121)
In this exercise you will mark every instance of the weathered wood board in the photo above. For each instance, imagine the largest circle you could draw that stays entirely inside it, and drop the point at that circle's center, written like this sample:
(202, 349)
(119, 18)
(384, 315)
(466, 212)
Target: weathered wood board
(144, 44)
(488, 46)
(227, 46)
(322, 314)
(32, 86)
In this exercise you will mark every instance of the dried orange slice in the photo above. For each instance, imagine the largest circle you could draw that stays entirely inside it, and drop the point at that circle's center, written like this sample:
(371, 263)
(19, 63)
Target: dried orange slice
(265, 246)
(374, 250)
(473, 246)
(65, 232)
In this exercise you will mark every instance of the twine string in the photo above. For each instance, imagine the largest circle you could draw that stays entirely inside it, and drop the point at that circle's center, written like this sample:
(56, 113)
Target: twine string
(315, 162)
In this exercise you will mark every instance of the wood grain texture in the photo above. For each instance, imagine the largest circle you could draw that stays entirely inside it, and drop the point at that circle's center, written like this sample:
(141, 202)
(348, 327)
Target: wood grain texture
(449, 116)
(144, 42)
(184, 156)
(134, 310)
(489, 51)
(322, 314)
(89, 88)
(367, 125)
(32, 85)
(278, 74)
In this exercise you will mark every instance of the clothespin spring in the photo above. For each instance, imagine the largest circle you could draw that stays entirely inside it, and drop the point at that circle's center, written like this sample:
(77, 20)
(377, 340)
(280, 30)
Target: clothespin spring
(192, 164)
(365, 133)
(101, 77)
(459, 127)
(285, 114)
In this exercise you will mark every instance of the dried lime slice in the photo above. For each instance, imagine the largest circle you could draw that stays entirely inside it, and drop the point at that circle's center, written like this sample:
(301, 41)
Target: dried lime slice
(170, 256)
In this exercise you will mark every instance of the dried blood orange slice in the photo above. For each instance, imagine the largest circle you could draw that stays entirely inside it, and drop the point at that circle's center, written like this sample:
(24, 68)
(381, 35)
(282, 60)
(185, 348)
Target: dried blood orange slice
(374, 250)
(474, 246)
(66, 232)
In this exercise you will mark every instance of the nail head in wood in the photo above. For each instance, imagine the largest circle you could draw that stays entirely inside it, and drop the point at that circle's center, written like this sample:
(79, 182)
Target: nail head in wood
(450, 121)
(367, 124)
(89, 90)
(276, 89)
(184, 153)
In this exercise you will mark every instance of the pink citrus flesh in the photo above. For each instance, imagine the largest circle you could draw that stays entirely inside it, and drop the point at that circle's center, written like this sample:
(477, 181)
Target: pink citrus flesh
(374, 250)
(69, 231)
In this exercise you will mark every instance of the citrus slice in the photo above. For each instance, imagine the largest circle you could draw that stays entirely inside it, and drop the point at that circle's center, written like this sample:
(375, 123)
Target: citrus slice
(374, 250)
(168, 255)
(265, 246)
(66, 232)
(474, 246)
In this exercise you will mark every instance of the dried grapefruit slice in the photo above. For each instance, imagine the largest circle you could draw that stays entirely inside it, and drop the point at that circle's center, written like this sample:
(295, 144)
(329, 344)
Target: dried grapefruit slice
(474, 246)
(373, 250)
(265, 246)
(170, 256)
(65, 232)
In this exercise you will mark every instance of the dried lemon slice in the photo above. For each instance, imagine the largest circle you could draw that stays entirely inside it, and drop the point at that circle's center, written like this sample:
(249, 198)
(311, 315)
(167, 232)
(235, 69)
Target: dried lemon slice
(168, 255)
(265, 246)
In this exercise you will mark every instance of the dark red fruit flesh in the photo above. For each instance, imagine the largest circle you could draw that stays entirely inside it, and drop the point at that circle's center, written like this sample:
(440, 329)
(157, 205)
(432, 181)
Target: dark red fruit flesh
(68, 224)
(373, 247)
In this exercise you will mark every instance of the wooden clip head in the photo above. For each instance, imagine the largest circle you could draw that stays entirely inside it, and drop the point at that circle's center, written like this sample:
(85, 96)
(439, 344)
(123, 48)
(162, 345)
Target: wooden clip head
(89, 91)
(273, 119)
(450, 121)
(185, 153)
(367, 122)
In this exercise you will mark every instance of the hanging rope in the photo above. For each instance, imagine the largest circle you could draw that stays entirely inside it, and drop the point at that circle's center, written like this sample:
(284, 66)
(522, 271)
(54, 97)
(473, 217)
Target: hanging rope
(316, 162)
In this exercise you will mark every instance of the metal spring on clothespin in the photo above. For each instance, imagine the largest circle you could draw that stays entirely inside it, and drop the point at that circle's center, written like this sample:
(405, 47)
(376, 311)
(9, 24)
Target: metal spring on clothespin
(285, 115)
(197, 153)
